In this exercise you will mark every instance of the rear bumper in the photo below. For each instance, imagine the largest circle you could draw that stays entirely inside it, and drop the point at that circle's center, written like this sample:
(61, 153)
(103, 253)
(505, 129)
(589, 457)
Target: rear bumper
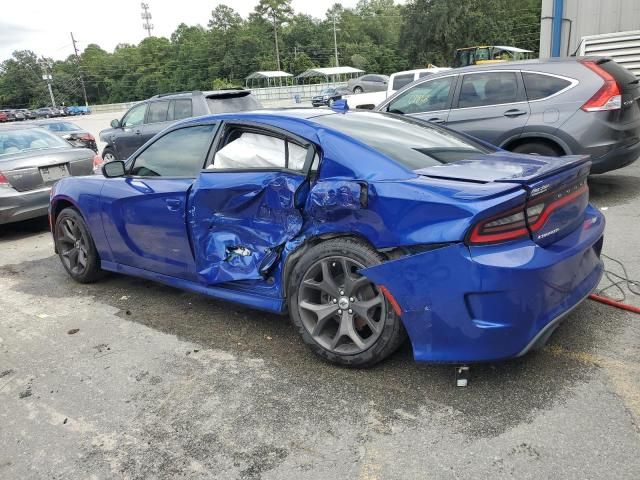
(617, 158)
(463, 305)
(17, 206)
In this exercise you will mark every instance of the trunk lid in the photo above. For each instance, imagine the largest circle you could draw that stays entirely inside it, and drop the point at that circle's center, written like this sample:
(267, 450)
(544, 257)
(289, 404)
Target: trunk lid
(557, 192)
(37, 169)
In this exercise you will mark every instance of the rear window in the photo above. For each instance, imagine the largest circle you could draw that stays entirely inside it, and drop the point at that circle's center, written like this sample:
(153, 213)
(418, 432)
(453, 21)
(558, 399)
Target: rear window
(61, 127)
(400, 81)
(408, 141)
(29, 139)
(540, 86)
(236, 102)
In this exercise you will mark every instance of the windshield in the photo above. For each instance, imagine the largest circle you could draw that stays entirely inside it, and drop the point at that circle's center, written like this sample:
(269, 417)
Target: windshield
(413, 143)
(28, 139)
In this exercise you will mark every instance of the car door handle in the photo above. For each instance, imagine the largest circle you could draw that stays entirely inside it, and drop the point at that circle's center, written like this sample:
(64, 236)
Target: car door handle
(174, 204)
(514, 112)
(436, 120)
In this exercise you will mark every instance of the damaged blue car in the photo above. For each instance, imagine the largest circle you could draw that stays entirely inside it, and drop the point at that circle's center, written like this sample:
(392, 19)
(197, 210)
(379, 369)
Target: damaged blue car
(365, 227)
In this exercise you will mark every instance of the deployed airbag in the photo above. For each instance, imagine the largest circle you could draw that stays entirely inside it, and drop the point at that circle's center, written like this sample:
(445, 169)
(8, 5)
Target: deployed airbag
(253, 150)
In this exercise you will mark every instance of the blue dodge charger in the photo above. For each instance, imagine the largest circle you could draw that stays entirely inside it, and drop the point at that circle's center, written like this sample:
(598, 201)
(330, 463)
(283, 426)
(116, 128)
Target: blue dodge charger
(365, 227)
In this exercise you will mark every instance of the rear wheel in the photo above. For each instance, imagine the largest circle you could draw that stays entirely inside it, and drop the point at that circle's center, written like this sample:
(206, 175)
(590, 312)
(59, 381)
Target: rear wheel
(341, 315)
(75, 247)
(537, 148)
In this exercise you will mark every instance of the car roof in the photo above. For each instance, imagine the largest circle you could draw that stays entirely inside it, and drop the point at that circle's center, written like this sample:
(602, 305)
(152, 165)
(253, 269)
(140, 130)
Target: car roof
(518, 64)
(208, 93)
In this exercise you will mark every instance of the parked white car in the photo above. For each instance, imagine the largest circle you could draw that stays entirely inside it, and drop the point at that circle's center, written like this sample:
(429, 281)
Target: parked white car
(396, 82)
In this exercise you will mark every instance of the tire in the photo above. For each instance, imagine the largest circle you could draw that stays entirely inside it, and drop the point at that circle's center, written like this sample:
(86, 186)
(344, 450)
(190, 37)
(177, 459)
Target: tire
(358, 90)
(358, 327)
(537, 148)
(330, 102)
(75, 245)
(109, 155)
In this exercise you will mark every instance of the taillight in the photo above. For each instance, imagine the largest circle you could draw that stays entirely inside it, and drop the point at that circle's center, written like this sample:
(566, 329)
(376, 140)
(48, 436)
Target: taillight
(529, 218)
(608, 97)
(3, 179)
(97, 161)
(539, 210)
(87, 137)
(507, 226)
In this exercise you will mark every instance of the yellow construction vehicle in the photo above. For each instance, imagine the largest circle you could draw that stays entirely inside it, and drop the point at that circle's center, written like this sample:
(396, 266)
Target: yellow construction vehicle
(489, 54)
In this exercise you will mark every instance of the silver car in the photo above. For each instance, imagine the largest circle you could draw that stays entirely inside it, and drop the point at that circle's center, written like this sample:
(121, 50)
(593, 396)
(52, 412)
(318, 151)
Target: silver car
(31, 161)
(368, 83)
(551, 107)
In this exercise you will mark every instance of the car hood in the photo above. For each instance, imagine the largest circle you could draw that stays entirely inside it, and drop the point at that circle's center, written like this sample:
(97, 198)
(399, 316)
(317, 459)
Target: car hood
(504, 167)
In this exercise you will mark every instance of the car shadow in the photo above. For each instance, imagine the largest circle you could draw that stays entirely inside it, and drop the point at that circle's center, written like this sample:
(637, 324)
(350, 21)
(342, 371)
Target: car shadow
(612, 189)
(501, 395)
(24, 229)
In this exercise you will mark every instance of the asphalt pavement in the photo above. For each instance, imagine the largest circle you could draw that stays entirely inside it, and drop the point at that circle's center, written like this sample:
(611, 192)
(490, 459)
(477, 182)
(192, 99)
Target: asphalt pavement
(128, 379)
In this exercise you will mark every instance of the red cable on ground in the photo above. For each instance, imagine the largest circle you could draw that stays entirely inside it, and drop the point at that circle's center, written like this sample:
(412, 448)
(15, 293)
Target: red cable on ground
(614, 303)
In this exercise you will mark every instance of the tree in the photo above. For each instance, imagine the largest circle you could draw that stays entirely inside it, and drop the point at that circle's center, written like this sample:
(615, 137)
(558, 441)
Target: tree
(223, 18)
(276, 12)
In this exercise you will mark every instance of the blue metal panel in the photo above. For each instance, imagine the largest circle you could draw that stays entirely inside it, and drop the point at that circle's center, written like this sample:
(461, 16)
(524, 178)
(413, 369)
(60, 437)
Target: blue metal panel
(463, 304)
(556, 27)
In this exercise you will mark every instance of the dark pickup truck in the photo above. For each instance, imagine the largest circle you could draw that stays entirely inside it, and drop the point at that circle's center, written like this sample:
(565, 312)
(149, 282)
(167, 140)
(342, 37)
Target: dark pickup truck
(149, 117)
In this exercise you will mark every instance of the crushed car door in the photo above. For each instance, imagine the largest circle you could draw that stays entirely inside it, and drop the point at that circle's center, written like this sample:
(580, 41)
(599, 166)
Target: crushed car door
(247, 203)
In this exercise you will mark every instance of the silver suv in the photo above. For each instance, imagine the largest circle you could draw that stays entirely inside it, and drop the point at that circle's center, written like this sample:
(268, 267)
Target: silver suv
(588, 105)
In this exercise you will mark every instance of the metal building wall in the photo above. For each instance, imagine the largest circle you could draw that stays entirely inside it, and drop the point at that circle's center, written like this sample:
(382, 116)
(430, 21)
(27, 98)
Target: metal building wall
(587, 17)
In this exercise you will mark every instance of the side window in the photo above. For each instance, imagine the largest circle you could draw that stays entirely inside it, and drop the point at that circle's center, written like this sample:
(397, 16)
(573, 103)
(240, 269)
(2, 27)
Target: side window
(368, 78)
(157, 112)
(135, 116)
(424, 74)
(180, 153)
(540, 86)
(425, 97)
(182, 108)
(247, 149)
(400, 81)
(494, 88)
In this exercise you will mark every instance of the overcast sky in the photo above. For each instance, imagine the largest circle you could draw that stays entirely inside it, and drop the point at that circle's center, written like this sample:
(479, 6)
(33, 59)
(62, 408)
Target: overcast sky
(44, 25)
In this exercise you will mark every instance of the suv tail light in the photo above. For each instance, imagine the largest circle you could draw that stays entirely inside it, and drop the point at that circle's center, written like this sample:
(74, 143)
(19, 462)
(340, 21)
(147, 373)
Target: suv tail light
(87, 137)
(608, 97)
(3, 179)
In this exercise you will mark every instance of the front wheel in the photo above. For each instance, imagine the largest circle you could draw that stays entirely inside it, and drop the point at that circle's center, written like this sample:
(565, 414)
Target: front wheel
(341, 315)
(358, 90)
(75, 247)
(108, 155)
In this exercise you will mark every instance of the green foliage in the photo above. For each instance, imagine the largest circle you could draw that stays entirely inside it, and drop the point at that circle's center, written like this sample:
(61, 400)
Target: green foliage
(378, 36)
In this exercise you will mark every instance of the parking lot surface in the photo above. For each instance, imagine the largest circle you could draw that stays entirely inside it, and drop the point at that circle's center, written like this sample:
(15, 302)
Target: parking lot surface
(130, 379)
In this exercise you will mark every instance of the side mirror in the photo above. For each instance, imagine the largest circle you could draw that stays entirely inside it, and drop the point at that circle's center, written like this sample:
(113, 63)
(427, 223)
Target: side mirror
(113, 169)
(115, 123)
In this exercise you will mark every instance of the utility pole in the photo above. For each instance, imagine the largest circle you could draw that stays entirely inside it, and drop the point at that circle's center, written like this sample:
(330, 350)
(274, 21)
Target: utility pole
(46, 76)
(146, 16)
(275, 33)
(84, 90)
(335, 40)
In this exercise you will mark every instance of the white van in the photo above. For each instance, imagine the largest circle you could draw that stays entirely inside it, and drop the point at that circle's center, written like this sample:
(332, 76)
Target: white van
(396, 82)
